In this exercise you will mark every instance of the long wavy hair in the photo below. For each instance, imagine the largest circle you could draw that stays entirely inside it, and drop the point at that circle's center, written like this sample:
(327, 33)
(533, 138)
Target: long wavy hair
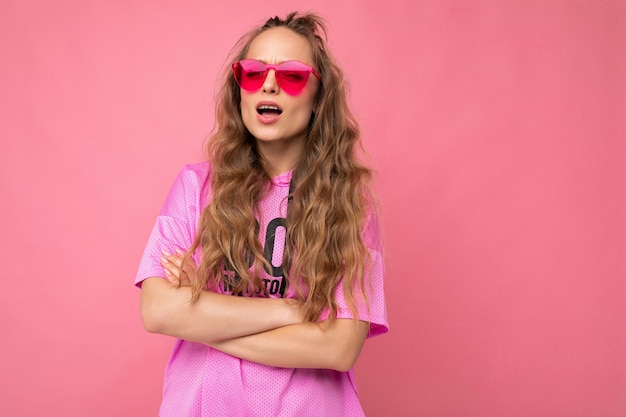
(328, 200)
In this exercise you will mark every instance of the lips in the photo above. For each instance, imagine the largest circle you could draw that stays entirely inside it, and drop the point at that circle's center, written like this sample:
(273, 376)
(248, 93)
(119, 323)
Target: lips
(268, 112)
(268, 109)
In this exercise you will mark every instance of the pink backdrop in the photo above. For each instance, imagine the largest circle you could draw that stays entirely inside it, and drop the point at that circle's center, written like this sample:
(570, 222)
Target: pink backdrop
(498, 130)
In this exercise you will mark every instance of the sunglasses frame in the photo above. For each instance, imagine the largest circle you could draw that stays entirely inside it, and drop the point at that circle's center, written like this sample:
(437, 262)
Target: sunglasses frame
(280, 70)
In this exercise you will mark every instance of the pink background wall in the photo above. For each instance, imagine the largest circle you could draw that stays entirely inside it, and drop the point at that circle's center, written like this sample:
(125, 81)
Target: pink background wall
(498, 129)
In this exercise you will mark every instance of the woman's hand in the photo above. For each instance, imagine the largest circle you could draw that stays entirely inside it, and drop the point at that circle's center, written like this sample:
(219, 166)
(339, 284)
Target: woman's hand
(214, 317)
(175, 272)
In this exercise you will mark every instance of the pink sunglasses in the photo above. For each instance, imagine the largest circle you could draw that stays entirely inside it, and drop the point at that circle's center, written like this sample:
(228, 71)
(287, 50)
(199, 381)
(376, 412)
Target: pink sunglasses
(291, 76)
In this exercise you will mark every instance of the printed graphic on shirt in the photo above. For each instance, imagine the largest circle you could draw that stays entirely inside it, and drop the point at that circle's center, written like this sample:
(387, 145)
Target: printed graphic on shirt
(273, 250)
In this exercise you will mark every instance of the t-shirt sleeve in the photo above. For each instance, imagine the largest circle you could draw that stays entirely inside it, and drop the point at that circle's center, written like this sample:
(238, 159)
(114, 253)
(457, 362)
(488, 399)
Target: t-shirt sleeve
(374, 310)
(176, 224)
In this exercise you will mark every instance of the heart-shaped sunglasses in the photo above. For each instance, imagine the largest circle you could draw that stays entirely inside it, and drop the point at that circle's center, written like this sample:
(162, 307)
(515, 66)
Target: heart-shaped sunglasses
(291, 76)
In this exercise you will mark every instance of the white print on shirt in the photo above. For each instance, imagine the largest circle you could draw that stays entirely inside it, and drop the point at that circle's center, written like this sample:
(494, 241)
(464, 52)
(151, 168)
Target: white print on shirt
(276, 282)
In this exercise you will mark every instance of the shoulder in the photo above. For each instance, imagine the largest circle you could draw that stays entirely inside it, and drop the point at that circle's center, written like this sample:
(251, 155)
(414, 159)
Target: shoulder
(193, 178)
(190, 189)
(198, 172)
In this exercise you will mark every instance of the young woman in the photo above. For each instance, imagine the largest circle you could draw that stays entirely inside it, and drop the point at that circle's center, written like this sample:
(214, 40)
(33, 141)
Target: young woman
(265, 261)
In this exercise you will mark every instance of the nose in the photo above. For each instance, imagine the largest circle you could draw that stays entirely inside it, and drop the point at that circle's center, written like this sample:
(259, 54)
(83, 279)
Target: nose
(270, 85)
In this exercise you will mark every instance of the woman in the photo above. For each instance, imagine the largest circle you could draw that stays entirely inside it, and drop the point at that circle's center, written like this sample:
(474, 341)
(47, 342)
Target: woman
(280, 215)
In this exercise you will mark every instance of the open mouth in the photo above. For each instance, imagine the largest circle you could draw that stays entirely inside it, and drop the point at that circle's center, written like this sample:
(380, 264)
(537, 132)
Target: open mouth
(268, 110)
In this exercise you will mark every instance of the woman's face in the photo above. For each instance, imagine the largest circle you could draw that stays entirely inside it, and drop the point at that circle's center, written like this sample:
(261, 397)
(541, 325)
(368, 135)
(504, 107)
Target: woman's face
(279, 131)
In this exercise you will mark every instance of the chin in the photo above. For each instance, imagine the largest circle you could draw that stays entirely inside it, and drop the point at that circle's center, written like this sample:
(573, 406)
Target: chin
(266, 137)
(271, 135)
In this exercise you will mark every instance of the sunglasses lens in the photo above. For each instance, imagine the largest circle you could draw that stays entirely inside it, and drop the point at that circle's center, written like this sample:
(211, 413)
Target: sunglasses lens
(250, 74)
(292, 81)
(293, 76)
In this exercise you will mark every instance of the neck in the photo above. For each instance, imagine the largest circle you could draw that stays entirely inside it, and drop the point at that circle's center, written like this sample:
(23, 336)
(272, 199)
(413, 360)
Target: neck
(279, 156)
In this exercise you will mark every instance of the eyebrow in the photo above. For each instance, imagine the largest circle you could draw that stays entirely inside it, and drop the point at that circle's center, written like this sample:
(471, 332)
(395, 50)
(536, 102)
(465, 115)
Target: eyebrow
(265, 62)
(278, 63)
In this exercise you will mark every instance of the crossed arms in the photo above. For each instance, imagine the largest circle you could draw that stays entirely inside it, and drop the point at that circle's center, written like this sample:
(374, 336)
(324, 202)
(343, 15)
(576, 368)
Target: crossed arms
(269, 331)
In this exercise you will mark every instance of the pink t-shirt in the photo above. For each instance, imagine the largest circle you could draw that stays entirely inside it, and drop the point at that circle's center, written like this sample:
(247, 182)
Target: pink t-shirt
(202, 381)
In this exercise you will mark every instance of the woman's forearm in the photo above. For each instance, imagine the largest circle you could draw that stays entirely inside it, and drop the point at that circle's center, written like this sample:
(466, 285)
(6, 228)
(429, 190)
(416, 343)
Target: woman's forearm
(330, 345)
(166, 309)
